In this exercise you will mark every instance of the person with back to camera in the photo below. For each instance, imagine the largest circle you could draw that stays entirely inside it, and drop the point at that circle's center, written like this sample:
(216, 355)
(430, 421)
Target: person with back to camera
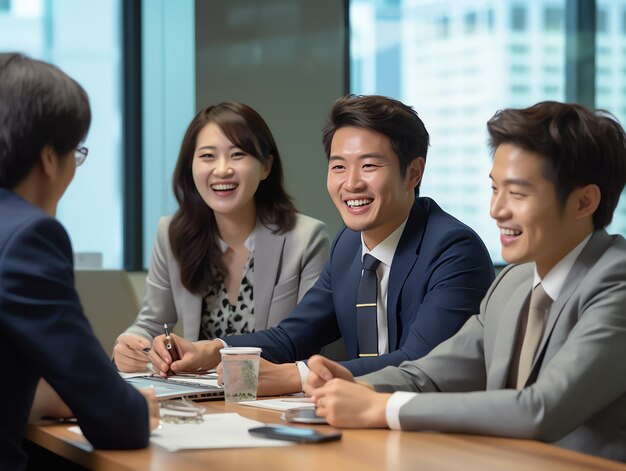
(54, 365)
(236, 257)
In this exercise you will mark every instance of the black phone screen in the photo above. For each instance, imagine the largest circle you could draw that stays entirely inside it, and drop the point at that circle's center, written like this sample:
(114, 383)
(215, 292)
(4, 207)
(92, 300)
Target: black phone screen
(294, 434)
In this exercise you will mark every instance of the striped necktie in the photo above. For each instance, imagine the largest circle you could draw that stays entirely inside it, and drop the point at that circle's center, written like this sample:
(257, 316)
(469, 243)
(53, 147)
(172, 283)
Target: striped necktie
(367, 320)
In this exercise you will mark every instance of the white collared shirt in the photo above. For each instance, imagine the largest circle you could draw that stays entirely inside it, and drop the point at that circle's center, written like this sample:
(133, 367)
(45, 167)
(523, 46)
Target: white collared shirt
(249, 243)
(384, 252)
(555, 279)
(552, 284)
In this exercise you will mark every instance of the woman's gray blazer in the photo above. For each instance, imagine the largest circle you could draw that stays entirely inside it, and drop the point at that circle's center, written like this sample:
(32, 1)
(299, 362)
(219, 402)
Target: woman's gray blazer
(285, 267)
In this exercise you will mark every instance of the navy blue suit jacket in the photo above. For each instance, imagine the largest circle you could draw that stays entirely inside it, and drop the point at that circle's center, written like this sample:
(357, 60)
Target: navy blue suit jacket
(440, 272)
(44, 334)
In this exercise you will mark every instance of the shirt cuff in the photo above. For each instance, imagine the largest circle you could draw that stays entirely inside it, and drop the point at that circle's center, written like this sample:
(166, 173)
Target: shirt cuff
(394, 404)
(304, 372)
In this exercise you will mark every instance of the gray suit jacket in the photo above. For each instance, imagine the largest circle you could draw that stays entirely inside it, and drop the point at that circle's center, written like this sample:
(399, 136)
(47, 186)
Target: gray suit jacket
(576, 394)
(286, 266)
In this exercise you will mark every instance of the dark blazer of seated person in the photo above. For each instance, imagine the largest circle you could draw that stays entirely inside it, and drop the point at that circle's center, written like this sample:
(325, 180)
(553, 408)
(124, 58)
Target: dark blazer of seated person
(46, 335)
(440, 272)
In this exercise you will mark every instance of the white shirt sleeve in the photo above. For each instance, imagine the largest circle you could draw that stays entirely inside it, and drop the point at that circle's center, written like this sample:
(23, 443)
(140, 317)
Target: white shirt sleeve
(304, 372)
(395, 402)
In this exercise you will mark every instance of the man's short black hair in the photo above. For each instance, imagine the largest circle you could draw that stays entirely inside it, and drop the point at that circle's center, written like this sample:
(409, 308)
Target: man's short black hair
(392, 118)
(39, 106)
(579, 147)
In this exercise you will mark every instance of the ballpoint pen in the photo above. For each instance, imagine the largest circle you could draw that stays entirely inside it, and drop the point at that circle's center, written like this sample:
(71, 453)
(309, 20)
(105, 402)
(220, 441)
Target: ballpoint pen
(169, 343)
(168, 337)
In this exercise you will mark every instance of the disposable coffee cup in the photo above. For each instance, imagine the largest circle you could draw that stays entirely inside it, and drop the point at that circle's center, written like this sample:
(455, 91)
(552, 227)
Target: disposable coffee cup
(240, 373)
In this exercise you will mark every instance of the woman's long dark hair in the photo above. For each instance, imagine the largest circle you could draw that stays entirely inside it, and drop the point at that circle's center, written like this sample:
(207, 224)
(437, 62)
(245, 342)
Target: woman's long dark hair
(193, 231)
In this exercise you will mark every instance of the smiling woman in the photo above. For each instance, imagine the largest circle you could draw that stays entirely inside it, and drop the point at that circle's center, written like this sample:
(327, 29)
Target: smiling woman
(235, 219)
(227, 179)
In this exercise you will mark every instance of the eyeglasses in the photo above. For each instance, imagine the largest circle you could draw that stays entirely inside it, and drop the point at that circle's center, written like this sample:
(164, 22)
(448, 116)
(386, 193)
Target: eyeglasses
(181, 411)
(80, 154)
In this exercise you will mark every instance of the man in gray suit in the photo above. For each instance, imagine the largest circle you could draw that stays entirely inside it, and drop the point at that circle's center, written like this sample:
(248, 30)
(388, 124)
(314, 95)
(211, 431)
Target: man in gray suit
(542, 358)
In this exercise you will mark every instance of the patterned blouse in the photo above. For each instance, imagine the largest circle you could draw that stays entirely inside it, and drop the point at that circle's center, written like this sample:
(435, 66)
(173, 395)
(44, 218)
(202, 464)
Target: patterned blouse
(218, 317)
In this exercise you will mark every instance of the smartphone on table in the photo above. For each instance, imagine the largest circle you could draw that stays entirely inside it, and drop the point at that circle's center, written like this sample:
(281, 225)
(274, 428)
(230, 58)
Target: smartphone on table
(303, 416)
(294, 434)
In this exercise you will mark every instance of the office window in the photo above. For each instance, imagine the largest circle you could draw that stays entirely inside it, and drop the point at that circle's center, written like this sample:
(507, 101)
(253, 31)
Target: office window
(553, 19)
(442, 26)
(490, 20)
(602, 24)
(457, 84)
(518, 18)
(470, 20)
(518, 49)
(610, 79)
(169, 93)
(520, 68)
(83, 39)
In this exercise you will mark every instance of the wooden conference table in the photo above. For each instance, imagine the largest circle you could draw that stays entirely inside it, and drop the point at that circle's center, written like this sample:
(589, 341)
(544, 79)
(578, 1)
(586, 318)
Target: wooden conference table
(357, 450)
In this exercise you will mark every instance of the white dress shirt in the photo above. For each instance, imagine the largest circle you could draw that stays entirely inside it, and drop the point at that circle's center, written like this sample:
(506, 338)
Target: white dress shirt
(384, 252)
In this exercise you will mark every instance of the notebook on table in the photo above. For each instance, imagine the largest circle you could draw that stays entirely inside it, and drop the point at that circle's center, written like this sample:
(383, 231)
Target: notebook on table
(177, 387)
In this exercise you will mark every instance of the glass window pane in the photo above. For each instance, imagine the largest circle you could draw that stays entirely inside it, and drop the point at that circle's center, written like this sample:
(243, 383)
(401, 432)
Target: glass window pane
(518, 18)
(602, 24)
(554, 19)
(458, 62)
(83, 38)
(168, 88)
(611, 77)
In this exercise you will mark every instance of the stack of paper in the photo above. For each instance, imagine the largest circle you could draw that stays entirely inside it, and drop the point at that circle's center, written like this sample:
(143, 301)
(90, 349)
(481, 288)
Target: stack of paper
(217, 431)
(285, 403)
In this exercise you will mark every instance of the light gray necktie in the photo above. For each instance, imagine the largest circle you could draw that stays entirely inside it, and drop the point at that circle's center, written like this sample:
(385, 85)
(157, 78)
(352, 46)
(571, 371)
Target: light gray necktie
(537, 312)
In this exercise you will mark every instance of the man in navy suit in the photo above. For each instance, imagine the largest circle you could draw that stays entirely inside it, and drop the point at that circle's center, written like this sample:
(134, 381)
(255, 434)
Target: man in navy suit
(543, 359)
(54, 365)
(433, 269)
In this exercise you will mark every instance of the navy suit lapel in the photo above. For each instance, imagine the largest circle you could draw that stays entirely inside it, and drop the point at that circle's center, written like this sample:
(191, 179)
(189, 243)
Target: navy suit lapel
(403, 261)
(348, 299)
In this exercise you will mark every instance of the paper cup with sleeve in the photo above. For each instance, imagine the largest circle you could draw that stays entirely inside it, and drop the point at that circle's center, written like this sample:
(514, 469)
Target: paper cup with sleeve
(240, 373)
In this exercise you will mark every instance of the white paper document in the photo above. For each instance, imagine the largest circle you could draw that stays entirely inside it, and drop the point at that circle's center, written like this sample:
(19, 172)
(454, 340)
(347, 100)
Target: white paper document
(217, 431)
(283, 404)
